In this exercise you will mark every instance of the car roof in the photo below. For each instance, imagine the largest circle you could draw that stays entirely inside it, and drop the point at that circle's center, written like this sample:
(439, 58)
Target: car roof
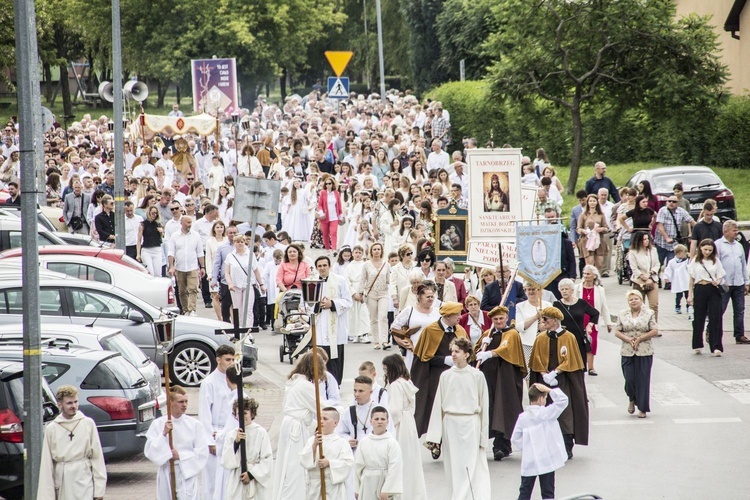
(69, 351)
(683, 168)
(69, 250)
(12, 270)
(65, 328)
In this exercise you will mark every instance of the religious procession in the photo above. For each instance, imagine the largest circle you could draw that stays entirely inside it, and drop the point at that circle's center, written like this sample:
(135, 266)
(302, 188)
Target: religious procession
(454, 275)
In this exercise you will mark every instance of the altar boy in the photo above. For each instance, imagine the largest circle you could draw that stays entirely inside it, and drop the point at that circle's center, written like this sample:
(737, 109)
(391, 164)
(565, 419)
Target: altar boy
(378, 466)
(337, 462)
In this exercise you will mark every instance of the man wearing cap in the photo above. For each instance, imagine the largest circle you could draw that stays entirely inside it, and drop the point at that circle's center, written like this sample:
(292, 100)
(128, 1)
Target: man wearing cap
(500, 357)
(556, 362)
(432, 356)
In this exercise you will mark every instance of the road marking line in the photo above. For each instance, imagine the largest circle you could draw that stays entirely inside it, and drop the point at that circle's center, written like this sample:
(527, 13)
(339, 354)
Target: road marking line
(597, 397)
(671, 395)
(739, 389)
(639, 421)
(719, 420)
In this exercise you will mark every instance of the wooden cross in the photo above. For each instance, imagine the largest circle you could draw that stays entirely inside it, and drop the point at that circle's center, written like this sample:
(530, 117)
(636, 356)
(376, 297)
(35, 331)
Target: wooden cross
(238, 335)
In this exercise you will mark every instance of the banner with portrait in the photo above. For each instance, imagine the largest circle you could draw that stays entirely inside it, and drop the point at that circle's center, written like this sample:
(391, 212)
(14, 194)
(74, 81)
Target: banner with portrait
(215, 87)
(495, 193)
(540, 246)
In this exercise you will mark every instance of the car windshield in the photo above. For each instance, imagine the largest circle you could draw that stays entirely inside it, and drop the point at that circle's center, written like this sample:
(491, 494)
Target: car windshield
(665, 184)
(130, 351)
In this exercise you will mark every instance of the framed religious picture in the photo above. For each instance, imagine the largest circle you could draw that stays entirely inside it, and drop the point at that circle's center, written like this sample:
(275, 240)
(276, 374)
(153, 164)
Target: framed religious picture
(495, 201)
(450, 236)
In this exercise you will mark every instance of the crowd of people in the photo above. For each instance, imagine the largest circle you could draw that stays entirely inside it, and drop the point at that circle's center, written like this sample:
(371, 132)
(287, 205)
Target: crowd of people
(363, 182)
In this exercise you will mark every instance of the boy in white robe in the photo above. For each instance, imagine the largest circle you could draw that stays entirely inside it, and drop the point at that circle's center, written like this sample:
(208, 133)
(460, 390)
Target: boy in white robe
(257, 482)
(214, 410)
(189, 449)
(337, 464)
(233, 381)
(379, 394)
(538, 436)
(378, 465)
(72, 465)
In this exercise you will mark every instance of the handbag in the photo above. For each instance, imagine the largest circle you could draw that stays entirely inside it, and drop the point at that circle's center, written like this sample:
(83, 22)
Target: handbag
(722, 286)
(678, 236)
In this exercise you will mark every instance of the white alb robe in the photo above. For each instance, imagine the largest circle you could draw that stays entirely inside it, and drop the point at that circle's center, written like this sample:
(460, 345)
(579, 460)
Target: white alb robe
(299, 412)
(401, 397)
(336, 449)
(230, 425)
(190, 440)
(260, 465)
(460, 419)
(71, 468)
(359, 317)
(378, 467)
(213, 412)
(332, 327)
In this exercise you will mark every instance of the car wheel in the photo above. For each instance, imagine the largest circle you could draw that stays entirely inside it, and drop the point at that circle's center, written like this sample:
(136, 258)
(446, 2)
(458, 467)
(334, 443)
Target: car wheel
(190, 363)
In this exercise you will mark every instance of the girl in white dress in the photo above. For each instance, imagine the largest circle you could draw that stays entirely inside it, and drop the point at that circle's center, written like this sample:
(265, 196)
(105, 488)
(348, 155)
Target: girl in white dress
(298, 223)
(359, 316)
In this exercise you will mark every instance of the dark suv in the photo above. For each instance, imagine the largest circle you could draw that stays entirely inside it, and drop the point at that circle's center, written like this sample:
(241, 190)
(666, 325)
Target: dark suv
(11, 427)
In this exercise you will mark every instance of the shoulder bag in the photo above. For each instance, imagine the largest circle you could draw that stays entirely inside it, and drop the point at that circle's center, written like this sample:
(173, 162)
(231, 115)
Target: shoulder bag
(586, 337)
(722, 286)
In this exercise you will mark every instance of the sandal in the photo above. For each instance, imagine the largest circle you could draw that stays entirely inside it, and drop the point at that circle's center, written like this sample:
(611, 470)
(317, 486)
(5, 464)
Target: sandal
(377, 346)
(631, 407)
(641, 414)
(593, 373)
(434, 449)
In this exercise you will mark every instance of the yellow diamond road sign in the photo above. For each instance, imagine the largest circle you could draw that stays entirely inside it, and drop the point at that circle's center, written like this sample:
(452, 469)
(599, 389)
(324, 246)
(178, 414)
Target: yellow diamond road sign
(338, 60)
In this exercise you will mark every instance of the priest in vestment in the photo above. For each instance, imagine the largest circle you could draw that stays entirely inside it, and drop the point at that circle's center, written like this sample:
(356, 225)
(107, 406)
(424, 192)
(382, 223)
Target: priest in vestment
(72, 465)
(337, 462)
(332, 321)
(499, 354)
(432, 356)
(189, 449)
(556, 362)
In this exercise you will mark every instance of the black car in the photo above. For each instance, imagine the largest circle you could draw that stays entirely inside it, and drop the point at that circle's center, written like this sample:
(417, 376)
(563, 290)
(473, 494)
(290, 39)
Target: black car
(699, 184)
(11, 427)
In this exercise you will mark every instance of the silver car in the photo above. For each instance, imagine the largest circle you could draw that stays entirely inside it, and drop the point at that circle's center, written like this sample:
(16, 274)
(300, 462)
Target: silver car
(96, 337)
(111, 392)
(91, 303)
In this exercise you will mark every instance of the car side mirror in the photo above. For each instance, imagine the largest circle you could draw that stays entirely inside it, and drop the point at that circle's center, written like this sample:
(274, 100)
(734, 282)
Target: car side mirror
(136, 317)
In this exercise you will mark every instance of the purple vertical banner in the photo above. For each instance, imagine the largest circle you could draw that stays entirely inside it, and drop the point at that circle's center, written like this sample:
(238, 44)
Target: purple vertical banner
(214, 86)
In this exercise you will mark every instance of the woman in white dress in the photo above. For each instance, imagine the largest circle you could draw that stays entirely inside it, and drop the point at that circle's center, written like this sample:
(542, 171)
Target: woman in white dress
(401, 397)
(401, 235)
(400, 272)
(418, 315)
(359, 317)
(389, 223)
(352, 218)
(298, 223)
(528, 314)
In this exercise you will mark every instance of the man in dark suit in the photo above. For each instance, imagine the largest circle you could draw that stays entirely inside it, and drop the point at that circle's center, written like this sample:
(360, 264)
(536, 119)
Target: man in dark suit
(493, 293)
(75, 208)
(567, 255)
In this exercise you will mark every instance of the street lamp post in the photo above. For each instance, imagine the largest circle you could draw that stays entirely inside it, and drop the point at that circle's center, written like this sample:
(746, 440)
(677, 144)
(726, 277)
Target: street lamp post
(165, 333)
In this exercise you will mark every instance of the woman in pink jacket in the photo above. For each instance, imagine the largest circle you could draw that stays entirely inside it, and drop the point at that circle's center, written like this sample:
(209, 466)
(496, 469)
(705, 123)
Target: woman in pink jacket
(330, 213)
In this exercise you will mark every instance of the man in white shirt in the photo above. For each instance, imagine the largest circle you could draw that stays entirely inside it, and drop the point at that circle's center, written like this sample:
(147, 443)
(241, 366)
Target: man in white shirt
(438, 158)
(459, 172)
(203, 226)
(733, 260)
(132, 221)
(144, 168)
(186, 264)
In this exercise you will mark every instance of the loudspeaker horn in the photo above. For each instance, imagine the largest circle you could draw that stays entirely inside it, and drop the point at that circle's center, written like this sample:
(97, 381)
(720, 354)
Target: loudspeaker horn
(106, 91)
(137, 90)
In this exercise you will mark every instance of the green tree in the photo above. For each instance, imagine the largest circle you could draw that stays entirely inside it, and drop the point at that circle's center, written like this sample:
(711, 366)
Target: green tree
(462, 28)
(421, 19)
(571, 52)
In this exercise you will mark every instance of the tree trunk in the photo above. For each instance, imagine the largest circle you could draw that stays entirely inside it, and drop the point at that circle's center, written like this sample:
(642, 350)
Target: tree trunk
(47, 82)
(575, 161)
(282, 84)
(65, 91)
(177, 90)
(161, 93)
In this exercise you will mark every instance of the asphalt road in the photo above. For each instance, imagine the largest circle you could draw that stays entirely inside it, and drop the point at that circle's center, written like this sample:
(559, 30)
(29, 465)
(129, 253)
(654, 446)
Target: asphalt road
(692, 446)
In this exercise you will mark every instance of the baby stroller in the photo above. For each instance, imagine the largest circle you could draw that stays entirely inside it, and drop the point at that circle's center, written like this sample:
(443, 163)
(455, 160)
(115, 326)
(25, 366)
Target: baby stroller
(291, 322)
(622, 267)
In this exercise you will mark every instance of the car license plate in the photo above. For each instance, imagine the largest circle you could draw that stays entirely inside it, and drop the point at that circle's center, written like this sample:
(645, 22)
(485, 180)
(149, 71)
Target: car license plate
(696, 206)
(147, 414)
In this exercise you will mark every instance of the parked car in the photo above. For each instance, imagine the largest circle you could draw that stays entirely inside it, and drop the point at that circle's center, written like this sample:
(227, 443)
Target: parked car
(15, 211)
(111, 392)
(699, 184)
(88, 302)
(10, 234)
(50, 218)
(97, 338)
(157, 291)
(112, 254)
(11, 425)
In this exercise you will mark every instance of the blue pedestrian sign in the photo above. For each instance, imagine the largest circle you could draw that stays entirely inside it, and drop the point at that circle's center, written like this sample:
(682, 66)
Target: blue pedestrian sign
(338, 87)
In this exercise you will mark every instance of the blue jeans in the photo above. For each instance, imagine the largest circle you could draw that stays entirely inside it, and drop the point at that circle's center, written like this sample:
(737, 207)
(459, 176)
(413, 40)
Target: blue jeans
(737, 295)
(664, 255)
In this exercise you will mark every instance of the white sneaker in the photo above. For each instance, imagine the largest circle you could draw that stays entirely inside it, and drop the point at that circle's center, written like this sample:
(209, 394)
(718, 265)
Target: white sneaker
(365, 339)
(717, 353)
(699, 351)
(193, 313)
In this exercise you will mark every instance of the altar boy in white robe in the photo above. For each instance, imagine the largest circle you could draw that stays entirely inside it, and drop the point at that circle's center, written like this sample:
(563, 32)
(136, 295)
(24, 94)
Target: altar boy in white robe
(378, 466)
(189, 449)
(214, 410)
(337, 464)
(72, 465)
(332, 326)
(234, 379)
(257, 482)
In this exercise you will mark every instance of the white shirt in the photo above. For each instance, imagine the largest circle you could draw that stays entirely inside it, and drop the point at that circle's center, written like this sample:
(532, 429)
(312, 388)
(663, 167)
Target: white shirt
(143, 170)
(131, 229)
(203, 227)
(186, 249)
(438, 160)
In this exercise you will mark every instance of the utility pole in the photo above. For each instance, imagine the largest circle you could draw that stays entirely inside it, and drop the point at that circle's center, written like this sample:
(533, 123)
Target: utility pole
(119, 163)
(30, 149)
(380, 51)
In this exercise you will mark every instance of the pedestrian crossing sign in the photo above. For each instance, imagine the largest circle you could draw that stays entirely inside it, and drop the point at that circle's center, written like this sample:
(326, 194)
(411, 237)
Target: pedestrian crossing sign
(338, 87)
